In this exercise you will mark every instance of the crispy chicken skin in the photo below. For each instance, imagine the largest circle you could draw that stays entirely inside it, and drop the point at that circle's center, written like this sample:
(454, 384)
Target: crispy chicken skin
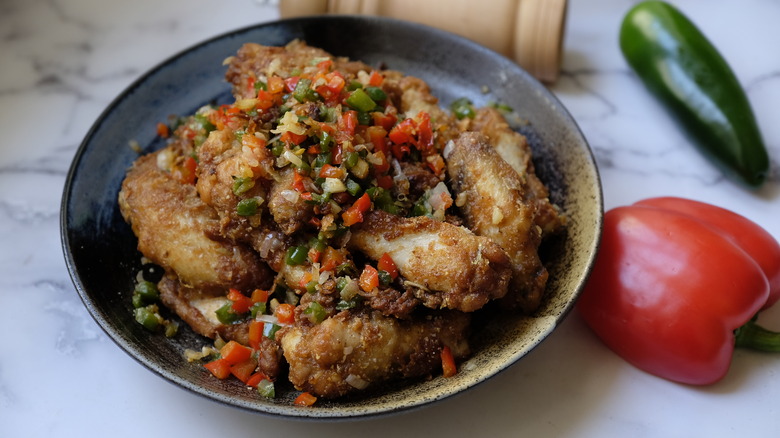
(454, 268)
(289, 210)
(513, 147)
(219, 162)
(355, 350)
(498, 205)
(175, 229)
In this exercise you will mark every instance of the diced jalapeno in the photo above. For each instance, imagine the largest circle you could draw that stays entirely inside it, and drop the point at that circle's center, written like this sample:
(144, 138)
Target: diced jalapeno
(364, 118)
(242, 184)
(247, 207)
(148, 317)
(376, 93)
(360, 101)
(303, 91)
(354, 85)
(226, 315)
(296, 255)
(147, 291)
(462, 108)
(316, 312)
(257, 309)
(353, 188)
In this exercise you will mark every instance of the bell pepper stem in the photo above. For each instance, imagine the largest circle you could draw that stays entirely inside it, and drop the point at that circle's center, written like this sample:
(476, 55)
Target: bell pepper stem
(753, 336)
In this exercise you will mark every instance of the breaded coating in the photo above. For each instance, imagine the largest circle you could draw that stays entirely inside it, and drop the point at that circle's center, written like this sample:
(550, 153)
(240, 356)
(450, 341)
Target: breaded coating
(453, 268)
(498, 205)
(513, 147)
(175, 229)
(289, 210)
(220, 163)
(355, 351)
(197, 310)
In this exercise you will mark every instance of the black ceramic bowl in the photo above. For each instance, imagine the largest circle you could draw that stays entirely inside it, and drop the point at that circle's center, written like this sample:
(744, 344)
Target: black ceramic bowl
(100, 249)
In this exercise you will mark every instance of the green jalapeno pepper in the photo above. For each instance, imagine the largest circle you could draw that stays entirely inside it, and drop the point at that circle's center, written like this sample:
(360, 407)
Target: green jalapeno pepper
(689, 76)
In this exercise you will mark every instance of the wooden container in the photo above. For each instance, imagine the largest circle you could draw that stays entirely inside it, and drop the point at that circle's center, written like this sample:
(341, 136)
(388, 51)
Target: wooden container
(528, 31)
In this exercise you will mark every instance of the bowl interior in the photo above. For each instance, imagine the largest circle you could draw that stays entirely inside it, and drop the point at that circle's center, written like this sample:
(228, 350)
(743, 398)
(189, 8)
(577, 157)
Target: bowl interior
(100, 249)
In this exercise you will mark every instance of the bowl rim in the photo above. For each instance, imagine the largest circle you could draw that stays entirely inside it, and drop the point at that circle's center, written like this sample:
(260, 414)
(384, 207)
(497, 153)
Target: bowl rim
(291, 412)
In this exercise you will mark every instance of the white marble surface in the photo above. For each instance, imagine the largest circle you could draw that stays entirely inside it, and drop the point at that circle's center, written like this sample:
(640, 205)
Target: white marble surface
(63, 61)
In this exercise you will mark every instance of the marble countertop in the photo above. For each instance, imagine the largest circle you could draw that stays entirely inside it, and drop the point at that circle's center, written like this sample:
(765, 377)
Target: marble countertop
(63, 61)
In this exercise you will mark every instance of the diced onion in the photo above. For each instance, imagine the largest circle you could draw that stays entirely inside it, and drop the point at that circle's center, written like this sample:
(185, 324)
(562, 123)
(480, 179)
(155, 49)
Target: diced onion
(356, 382)
(334, 185)
(291, 157)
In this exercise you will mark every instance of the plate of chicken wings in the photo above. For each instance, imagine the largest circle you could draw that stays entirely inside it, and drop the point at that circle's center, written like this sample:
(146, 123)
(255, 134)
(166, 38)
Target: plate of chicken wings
(331, 217)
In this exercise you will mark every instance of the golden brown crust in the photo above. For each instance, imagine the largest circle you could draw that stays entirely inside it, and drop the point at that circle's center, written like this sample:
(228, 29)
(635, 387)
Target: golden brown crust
(350, 350)
(175, 228)
(454, 268)
(513, 147)
(497, 204)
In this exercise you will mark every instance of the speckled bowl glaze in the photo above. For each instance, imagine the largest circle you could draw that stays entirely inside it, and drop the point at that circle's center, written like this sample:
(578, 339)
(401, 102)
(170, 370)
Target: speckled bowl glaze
(100, 249)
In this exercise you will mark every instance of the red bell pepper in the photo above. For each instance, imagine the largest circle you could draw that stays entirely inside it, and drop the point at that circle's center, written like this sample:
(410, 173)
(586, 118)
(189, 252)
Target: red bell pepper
(673, 281)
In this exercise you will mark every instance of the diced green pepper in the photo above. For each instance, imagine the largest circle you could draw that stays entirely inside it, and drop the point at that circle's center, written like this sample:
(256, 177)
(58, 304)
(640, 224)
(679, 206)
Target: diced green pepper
(376, 93)
(296, 255)
(148, 317)
(257, 309)
(226, 315)
(247, 207)
(242, 184)
(147, 291)
(303, 91)
(360, 101)
(316, 312)
(463, 108)
(353, 188)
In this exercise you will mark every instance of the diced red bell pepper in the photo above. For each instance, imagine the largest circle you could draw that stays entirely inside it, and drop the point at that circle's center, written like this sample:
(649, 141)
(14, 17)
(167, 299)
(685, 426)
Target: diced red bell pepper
(448, 366)
(234, 353)
(285, 313)
(387, 264)
(369, 278)
(354, 214)
(305, 399)
(255, 334)
(220, 368)
(243, 370)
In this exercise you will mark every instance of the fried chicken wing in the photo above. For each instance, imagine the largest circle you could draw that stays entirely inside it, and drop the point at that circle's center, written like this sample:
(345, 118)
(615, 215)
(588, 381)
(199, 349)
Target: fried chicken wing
(288, 208)
(513, 147)
(175, 230)
(198, 310)
(356, 350)
(497, 204)
(454, 268)
(253, 61)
